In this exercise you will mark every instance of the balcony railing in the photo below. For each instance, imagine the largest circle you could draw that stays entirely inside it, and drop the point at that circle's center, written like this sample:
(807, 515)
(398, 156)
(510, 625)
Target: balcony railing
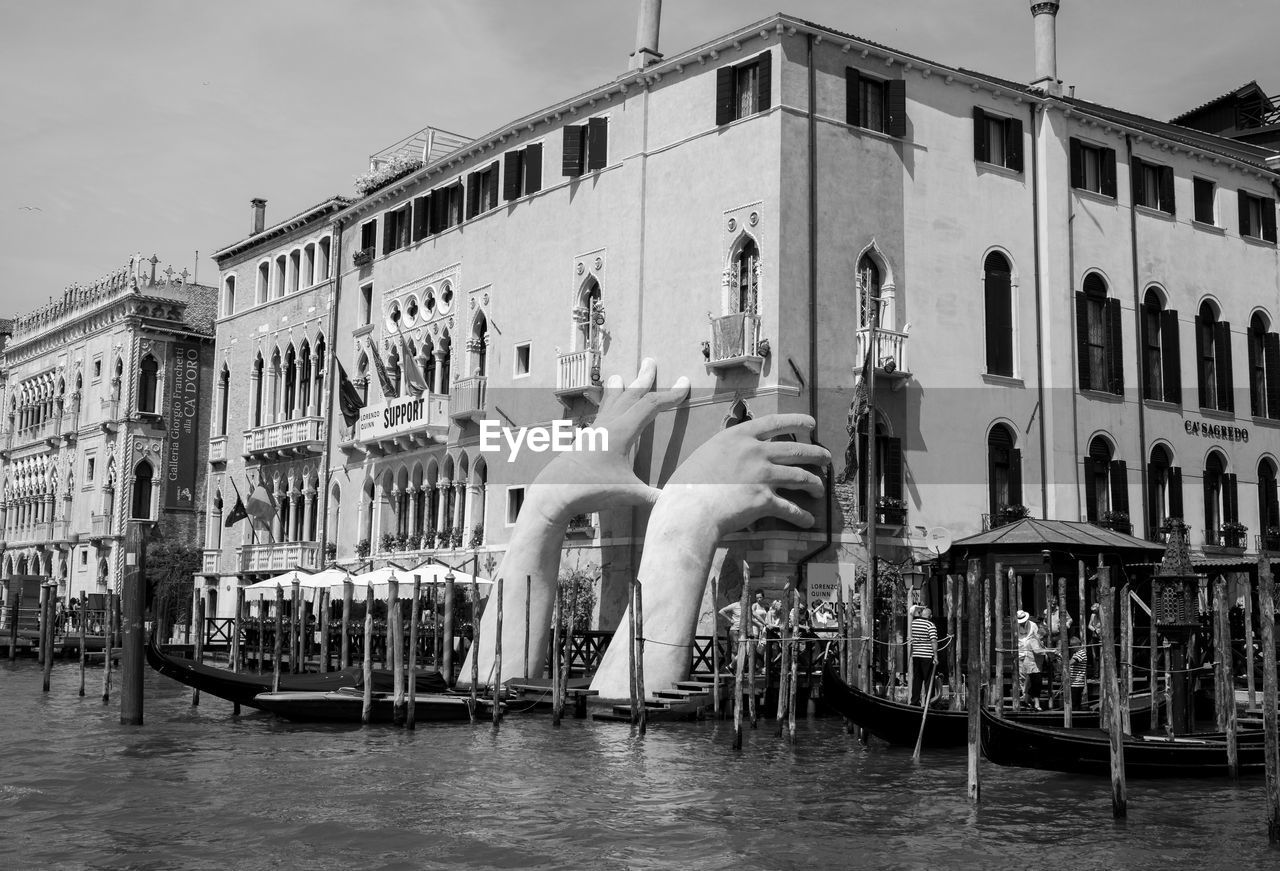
(280, 556)
(100, 526)
(302, 435)
(62, 530)
(32, 533)
(578, 374)
(467, 402)
(218, 449)
(209, 563)
(735, 341)
(1268, 541)
(1259, 112)
(889, 355)
(1229, 538)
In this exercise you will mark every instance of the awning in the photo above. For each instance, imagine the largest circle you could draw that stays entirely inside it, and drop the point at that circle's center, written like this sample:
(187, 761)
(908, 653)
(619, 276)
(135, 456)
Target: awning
(1030, 534)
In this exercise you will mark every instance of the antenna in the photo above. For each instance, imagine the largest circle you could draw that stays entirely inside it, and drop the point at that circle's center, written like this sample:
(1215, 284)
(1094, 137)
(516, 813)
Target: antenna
(195, 269)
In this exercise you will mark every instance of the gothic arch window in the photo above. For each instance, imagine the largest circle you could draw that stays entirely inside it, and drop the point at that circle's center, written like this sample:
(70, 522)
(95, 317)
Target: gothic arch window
(1164, 491)
(738, 413)
(148, 383)
(290, 375)
(142, 487)
(997, 288)
(1004, 471)
(870, 287)
(745, 277)
(224, 398)
(263, 290)
(258, 389)
(588, 316)
(477, 346)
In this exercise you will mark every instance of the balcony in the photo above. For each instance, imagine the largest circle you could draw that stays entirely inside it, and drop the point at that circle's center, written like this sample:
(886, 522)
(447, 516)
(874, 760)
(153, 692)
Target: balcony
(288, 438)
(1003, 517)
(1228, 537)
(467, 402)
(209, 562)
(889, 355)
(1268, 542)
(400, 424)
(101, 526)
(32, 533)
(735, 341)
(110, 415)
(17, 438)
(578, 374)
(278, 557)
(218, 449)
(362, 257)
(62, 532)
(1258, 112)
(70, 424)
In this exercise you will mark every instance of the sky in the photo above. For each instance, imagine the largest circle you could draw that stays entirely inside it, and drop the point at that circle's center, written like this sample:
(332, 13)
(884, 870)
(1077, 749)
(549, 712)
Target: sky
(148, 125)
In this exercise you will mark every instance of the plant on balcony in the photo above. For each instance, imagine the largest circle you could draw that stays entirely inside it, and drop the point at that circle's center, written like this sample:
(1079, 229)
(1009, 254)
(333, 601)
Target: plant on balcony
(402, 541)
(427, 539)
(397, 167)
(387, 543)
(891, 509)
(362, 257)
(330, 551)
(1271, 538)
(1010, 513)
(477, 535)
(579, 522)
(762, 348)
(1117, 520)
(1233, 532)
(455, 537)
(362, 548)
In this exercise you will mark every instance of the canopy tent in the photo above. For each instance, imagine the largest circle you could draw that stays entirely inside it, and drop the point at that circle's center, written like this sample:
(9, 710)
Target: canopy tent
(333, 579)
(1024, 544)
(267, 589)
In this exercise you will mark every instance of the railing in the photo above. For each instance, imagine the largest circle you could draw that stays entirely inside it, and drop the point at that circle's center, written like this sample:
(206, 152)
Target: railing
(218, 630)
(734, 337)
(29, 434)
(218, 449)
(110, 409)
(70, 422)
(1122, 526)
(578, 370)
(394, 418)
(209, 561)
(1002, 518)
(1268, 541)
(280, 556)
(1259, 112)
(362, 257)
(287, 435)
(468, 397)
(33, 533)
(100, 525)
(890, 353)
(62, 530)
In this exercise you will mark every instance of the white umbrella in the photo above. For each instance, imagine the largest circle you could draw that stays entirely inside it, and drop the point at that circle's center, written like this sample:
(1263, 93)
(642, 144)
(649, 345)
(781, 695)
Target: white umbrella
(431, 574)
(267, 589)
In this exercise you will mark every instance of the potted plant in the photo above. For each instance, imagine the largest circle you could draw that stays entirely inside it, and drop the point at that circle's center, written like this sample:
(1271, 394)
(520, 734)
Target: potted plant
(330, 551)
(1117, 520)
(477, 535)
(1233, 532)
(362, 548)
(455, 537)
(1271, 539)
(579, 523)
(1013, 513)
(427, 540)
(388, 542)
(362, 257)
(892, 509)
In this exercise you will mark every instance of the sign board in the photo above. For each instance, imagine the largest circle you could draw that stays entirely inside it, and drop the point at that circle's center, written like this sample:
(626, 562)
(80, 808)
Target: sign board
(826, 578)
(182, 427)
(397, 417)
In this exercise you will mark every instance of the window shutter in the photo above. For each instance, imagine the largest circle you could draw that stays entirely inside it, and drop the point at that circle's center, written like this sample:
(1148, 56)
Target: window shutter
(1166, 190)
(1107, 159)
(1230, 498)
(1273, 506)
(1256, 399)
(1082, 340)
(533, 168)
(853, 96)
(1144, 376)
(764, 82)
(1271, 363)
(1119, 486)
(993, 498)
(511, 162)
(1077, 164)
(1269, 219)
(1169, 357)
(571, 166)
(1115, 348)
(1201, 385)
(491, 185)
(597, 143)
(980, 145)
(999, 317)
(388, 233)
(893, 468)
(1222, 355)
(1175, 492)
(473, 194)
(1013, 144)
(896, 106)
(1015, 476)
(1210, 503)
(1153, 501)
(1090, 490)
(1137, 182)
(724, 95)
(419, 218)
(1243, 202)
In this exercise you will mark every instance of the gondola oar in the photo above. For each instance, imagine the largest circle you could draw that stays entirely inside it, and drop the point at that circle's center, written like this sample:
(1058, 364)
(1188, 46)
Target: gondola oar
(924, 716)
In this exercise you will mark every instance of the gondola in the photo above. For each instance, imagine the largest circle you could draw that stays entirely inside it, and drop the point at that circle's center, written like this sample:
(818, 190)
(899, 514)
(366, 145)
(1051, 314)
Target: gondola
(1088, 751)
(899, 723)
(245, 686)
(346, 705)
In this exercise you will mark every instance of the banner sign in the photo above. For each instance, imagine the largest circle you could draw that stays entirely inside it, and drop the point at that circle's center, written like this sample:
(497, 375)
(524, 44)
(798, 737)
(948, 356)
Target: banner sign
(182, 427)
(402, 416)
(1216, 431)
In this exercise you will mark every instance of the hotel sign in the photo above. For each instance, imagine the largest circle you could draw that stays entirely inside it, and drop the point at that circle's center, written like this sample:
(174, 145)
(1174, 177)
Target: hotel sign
(402, 416)
(1217, 431)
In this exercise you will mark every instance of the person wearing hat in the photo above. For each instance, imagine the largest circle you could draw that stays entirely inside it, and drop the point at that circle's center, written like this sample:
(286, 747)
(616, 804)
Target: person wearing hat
(924, 652)
(1030, 653)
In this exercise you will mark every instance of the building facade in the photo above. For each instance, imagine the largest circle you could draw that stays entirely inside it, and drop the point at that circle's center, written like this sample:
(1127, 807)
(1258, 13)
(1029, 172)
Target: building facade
(103, 394)
(1053, 290)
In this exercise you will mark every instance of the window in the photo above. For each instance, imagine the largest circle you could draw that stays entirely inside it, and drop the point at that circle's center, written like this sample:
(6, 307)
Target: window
(482, 190)
(889, 467)
(229, 296)
(1257, 217)
(873, 104)
(515, 501)
(1106, 485)
(1093, 168)
(368, 236)
(148, 376)
(1161, 377)
(997, 140)
(89, 466)
(142, 491)
(997, 286)
(522, 360)
(746, 278)
(442, 208)
(1264, 369)
(585, 146)
(84, 557)
(1268, 506)
(1004, 470)
(744, 89)
(1164, 491)
(1204, 194)
(224, 398)
(264, 283)
(1152, 185)
(1220, 499)
(1098, 338)
(395, 228)
(522, 172)
(97, 368)
(1213, 360)
(366, 304)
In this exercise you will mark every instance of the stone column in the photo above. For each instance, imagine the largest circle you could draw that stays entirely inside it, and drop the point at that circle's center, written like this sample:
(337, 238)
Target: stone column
(255, 391)
(442, 498)
(317, 383)
(309, 516)
(375, 532)
(438, 386)
(295, 410)
(277, 524)
(275, 413)
(459, 519)
(413, 528)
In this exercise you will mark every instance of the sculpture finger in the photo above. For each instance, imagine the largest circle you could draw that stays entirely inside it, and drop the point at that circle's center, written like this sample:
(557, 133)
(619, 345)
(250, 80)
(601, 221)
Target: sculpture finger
(771, 425)
(796, 478)
(644, 379)
(785, 509)
(633, 421)
(797, 454)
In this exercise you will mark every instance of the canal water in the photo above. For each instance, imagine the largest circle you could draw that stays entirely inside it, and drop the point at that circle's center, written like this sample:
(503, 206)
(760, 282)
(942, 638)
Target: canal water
(196, 788)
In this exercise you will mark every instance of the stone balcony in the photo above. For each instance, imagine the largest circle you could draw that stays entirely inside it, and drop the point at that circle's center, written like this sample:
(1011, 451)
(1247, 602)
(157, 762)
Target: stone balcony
(288, 438)
(209, 561)
(735, 342)
(61, 532)
(279, 556)
(468, 400)
(889, 355)
(32, 533)
(218, 449)
(578, 374)
(400, 424)
(101, 526)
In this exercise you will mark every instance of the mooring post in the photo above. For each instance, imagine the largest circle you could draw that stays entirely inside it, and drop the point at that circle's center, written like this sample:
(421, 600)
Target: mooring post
(792, 688)
(973, 684)
(842, 646)
(1223, 655)
(50, 631)
(999, 618)
(784, 667)
(557, 618)
(1126, 667)
(366, 709)
(570, 624)
(261, 622)
(415, 617)
(395, 643)
(42, 652)
(740, 659)
(497, 659)
(107, 616)
(715, 645)
(199, 652)
(1111, 691)
(1064, 655)
(475, 643)
(344, 652)
(1271, 735)
(237, 644)
(296, 618)
(446, 666)
(133, 603)
(1248, 644)
(277, 643)
(639, 603)
(985, 660)
(13, 621)
(528, 604)
(84, 619)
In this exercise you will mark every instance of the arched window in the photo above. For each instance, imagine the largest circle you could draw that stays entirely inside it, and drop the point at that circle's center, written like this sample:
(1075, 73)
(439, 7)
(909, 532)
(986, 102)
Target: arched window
(362, 377)
(1004, 474)
(257, 389)
(746, 274)
(869, 285)
(1098, 338)
(264, 282)
(1106, 484)
(290, 382)
(1213, 360)
(224, 398)
(278, 279)
(148, 377)
(1164, 492)
(229, 296)
(1268, 506)
(889, 469)
(1264, 369)
(1220, 504)
(478, 345)
(589, 317)
(1161, 376)
(997, 286)
(141, 506)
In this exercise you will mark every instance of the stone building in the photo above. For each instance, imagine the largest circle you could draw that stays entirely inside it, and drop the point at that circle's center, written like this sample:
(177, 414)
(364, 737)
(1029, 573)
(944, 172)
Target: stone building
(1055, 284)
(103, 393)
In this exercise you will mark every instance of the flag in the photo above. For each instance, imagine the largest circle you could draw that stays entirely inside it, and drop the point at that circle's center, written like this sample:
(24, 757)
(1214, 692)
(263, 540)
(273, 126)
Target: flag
(413, 378)
(349, 400)
(389, 389)
(238, 513)
(261, 506)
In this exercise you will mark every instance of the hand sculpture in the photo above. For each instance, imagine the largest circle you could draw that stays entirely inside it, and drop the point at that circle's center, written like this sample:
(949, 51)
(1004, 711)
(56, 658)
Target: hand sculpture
(575, 482)
(731, 481)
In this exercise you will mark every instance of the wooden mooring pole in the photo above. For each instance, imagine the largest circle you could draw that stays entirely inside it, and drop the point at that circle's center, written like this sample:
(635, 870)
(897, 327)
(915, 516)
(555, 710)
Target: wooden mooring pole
(13, 623)
(1064, 654)
(446, 665)
(1223, 657)
(973, 685)
(366, 709)
(562, 689)
(296, 619)
(475, 643)
(84, 619)
(237, 643)
(557, 618)
(793, 676)
(1111, 692)
(1126, 667)
(1248, 644)
(999, 584)
(395, 641)
(277, 643)
(784, 669)
(715, 645)
(344, 653)
(415, 617)
(44, 653)
(322, 622)
(740, 659)
(199, 652)
(643, 723)
(497, 658)
(528, 624)
(107, 615)
(1271, 735)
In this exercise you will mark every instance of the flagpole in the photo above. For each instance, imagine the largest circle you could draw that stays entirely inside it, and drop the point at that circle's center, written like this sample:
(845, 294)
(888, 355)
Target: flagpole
(270, 533)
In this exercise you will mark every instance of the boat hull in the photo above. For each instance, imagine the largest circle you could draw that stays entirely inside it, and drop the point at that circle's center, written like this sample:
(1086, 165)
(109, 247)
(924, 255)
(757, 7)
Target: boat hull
(343, 706)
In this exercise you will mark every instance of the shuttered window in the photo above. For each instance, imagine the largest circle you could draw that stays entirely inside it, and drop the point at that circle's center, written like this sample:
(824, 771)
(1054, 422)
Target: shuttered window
(420, 217)
(1152, 185)
(368, 235)
(1264, 369)
(482, 190)
(890, 471)
(1004, 471)
(1213, 360)
(997, 140)
(586, 147)
(1216, 499)
(1099, 351)
(522, 172)
(1268, 506)
(875, 104)
(743, 89)
(1097, 480)
(1162, 481)
(998, 305)
(1161, 377)
(1203, 190)
(1257, 216)
(1093, 168)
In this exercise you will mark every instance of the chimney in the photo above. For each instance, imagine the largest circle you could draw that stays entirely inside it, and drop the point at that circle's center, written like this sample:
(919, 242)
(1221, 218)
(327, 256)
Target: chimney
(646, 52)
(1045, 13)
(259, 215)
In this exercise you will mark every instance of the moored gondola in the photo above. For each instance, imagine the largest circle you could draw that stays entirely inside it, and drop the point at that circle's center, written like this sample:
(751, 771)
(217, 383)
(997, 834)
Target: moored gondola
(346, 706)
(1088, 751)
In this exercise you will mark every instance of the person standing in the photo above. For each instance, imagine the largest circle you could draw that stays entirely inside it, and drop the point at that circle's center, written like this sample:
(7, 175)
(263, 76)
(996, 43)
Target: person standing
(1030, 656)
(924, 654)
(1077, 671)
